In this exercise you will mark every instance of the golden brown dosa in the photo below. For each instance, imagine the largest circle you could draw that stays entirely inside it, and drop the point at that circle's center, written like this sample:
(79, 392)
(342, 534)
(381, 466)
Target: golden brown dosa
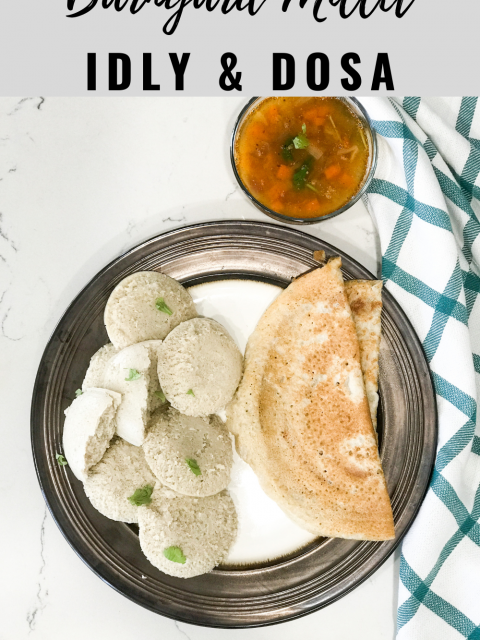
(301, 417)
(365, 300)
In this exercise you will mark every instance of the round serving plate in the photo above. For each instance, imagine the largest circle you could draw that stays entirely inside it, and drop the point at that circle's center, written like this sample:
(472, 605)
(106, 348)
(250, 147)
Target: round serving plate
(231, 596)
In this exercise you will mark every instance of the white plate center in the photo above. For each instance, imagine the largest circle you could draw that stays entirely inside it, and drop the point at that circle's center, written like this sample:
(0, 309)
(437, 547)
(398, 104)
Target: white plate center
(264, 531)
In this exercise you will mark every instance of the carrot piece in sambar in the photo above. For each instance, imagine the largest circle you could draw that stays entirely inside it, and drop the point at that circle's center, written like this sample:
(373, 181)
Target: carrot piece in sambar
(284, 172)
(346, 180)
(332, 171)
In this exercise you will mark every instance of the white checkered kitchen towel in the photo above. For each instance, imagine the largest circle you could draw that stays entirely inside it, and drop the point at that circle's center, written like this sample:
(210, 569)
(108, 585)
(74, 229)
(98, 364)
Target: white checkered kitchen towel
(425, 200)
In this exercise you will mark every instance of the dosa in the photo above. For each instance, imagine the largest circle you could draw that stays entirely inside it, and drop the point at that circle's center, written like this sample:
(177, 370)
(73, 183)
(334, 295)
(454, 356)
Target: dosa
(365, 300)
(301, 418)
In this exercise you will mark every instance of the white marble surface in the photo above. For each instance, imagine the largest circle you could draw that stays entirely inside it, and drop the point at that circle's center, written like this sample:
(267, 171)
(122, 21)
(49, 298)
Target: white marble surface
(81, 181)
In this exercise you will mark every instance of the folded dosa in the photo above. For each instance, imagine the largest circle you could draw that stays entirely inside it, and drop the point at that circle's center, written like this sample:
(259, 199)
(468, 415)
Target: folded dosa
(365, 300)
(301, 417)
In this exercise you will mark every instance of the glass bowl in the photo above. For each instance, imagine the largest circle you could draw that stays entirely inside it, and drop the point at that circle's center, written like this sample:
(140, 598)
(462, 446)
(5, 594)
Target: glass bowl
(360, 112)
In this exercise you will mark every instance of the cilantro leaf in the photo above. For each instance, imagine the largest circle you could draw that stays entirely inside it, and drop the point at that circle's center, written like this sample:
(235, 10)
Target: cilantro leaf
(194, 468)
(287, 150)
(301, 141)
(160, 395)
(141, 496)
(133, 374)
(190, 393)
(174, 554)
(61, 460)
(163, 307)
(78, 392)
(300, 176)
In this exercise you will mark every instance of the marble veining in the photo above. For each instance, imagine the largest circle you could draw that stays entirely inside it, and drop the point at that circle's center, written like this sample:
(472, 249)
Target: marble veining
(39, 102)
(232, 193)
(179, 220)
(42, 591)
(82, 181)
(3, 232)
(177, 627)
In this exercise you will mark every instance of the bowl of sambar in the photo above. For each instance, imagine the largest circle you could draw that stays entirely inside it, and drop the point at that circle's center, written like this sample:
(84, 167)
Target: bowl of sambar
(303, 160)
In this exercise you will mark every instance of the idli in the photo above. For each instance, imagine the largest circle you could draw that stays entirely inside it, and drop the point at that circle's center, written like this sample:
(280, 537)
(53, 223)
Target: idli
(120, 473)
(199, 367)
(133, 373)
(146, 306)
(89, 427)
(98, 363)
(191, 455)
(185, 536)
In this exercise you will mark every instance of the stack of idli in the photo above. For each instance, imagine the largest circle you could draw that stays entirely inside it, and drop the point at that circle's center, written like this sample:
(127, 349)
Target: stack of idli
(143, 435)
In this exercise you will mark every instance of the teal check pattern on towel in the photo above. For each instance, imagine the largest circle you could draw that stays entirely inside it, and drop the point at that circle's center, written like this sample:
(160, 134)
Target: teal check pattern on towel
(425, 201)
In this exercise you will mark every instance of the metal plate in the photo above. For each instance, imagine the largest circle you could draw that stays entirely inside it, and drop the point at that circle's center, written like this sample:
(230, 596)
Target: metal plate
(318, 574)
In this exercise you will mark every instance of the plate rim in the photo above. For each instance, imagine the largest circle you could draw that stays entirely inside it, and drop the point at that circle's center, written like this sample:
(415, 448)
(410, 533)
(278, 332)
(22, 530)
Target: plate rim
(305, 241)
